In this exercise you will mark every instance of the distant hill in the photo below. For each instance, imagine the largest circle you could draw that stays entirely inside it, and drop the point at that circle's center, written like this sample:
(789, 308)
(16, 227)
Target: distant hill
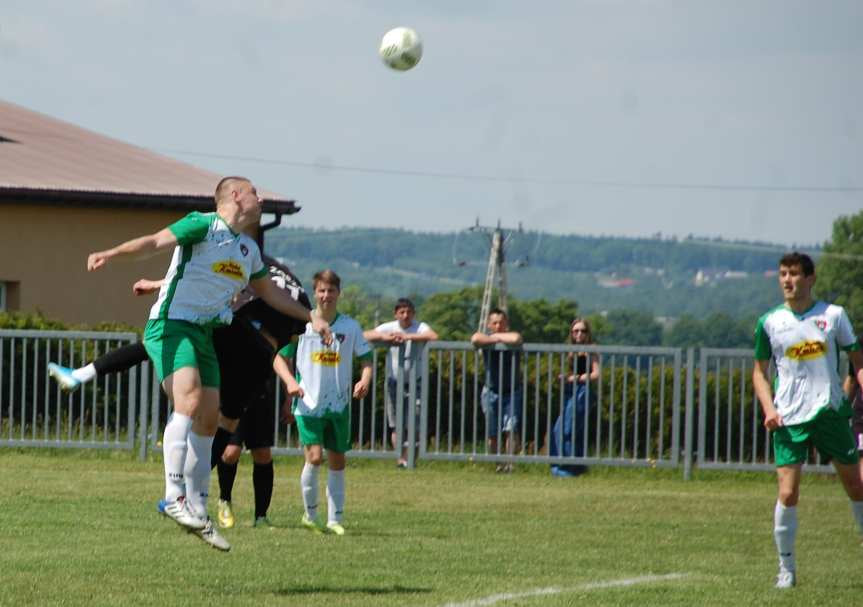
(665, 277)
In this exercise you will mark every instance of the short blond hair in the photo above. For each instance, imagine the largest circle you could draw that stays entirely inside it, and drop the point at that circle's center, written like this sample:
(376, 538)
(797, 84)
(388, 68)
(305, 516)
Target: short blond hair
(225, 184)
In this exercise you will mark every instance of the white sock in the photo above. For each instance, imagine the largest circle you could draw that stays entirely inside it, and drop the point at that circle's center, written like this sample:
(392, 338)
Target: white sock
(198, 473)
(335, 495)
(857, 509)
(84, 374)
(174, 447)
(309, 487)
(784, 532)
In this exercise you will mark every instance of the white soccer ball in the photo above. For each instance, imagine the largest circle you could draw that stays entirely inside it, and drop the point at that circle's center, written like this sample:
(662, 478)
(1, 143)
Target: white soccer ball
(401, 48)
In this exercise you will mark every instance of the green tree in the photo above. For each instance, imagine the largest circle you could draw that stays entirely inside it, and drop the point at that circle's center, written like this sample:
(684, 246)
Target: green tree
(454, 315)
(839, 271)
(541, 321)
(631, 328)
(715, 331)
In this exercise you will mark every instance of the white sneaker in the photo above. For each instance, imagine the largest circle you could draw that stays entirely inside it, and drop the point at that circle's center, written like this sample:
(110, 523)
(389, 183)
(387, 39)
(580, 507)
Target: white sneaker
(212, 536)
(179, 512)
(786, 579)
(64, 377)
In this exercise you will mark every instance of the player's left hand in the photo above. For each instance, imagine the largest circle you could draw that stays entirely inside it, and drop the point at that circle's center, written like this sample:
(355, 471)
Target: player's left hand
(360, 390)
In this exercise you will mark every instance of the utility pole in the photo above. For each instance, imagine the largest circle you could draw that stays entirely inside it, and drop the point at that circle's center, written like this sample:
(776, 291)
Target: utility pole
(496, 272)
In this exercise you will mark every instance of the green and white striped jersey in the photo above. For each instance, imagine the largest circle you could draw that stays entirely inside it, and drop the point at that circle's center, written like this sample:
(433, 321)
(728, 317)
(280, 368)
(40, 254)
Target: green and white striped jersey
(805, 351)
(210, 265)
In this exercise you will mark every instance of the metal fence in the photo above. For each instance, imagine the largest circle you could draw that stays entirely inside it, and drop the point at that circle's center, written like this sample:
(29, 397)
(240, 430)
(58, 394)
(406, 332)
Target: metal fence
(731, 434)
(650, 407)
(33, 410)
(629, 416)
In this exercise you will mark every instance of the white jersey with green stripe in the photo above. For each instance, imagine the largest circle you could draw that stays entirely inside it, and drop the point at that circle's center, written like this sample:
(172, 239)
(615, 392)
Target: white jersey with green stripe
(805, 350)
(210, 265)
(326, 371)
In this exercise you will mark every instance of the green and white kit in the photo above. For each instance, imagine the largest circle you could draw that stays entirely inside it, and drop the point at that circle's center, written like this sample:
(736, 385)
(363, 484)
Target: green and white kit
(210, 265)
(805, 349)
(325, 372)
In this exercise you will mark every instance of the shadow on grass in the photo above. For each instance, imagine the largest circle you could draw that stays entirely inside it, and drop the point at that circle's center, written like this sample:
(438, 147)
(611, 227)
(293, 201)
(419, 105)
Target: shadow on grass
(369, 590)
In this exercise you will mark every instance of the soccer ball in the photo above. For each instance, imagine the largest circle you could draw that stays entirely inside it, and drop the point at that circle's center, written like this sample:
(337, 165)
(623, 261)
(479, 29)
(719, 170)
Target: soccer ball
(401, 48)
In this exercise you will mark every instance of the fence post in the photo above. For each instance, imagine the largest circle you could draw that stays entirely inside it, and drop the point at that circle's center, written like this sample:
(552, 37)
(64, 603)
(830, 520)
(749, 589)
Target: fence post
(143, 411)
(690, 395)
(411, 408)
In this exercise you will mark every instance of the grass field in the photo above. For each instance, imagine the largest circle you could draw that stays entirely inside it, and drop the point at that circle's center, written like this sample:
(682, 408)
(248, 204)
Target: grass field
(80, 528)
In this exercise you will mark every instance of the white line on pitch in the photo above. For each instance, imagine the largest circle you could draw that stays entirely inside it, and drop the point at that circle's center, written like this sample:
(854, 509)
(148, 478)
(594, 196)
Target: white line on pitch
(497, 598)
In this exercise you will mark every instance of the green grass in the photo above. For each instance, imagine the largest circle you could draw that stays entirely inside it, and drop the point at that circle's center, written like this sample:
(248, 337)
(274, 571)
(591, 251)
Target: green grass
(80, 528)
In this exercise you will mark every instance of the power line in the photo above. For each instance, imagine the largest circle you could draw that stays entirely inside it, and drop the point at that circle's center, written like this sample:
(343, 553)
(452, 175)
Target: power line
(636, 185)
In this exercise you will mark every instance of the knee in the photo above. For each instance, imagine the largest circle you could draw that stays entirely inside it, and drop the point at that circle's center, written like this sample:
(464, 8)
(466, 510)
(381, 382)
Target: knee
(231, 454)
(789, 497)
(262, 455)
(315, 458)
(228, 423)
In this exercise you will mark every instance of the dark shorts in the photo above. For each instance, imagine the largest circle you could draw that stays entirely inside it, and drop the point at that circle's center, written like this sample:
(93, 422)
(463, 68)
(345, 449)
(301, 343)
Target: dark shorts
(258, 424)
(245, 366)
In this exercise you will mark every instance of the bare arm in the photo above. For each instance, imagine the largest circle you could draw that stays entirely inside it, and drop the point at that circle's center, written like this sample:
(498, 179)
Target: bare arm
(284, 303)
(764, 392)
(481, 339)
(383, 336)
(510, 338)
(284, 368)
(362, 387)
(856, 358)
(848, 387)
(145, 286)
(137, 248)
(423, 336)
(594, 371)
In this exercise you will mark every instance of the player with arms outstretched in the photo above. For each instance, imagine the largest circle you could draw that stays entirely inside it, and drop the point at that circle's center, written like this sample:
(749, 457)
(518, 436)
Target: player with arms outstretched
(213, 260)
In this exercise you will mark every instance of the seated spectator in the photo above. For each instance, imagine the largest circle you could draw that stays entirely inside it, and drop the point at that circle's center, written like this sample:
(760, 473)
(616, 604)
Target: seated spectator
(405, 329)
(567, 436)
(501, 398)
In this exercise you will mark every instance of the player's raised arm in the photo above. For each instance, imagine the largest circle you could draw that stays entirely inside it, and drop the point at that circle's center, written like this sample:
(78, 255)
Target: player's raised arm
(284, 303)
(137, 248)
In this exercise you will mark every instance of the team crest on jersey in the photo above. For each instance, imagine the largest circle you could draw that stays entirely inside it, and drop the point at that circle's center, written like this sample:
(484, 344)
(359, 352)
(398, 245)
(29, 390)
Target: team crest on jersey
(807, 350)
(821, 324)
(231, 269)
(341, 337)
(244, 250)
(328, 358)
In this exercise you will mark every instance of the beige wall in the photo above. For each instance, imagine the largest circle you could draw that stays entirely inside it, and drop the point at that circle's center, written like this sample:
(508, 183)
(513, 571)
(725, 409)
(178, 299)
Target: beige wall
(44, 249)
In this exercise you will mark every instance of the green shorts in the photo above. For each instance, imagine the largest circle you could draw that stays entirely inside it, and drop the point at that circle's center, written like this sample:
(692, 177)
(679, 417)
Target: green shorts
(828, 431)
(333, 430)
(174, 344)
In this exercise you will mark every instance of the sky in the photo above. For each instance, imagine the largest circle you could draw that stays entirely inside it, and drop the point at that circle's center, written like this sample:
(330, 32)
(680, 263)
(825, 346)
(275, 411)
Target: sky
(734, 118)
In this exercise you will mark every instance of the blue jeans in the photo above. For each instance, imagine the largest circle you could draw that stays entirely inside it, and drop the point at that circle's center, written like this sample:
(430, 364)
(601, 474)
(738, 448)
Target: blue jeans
(502, 411)
(567, 435)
